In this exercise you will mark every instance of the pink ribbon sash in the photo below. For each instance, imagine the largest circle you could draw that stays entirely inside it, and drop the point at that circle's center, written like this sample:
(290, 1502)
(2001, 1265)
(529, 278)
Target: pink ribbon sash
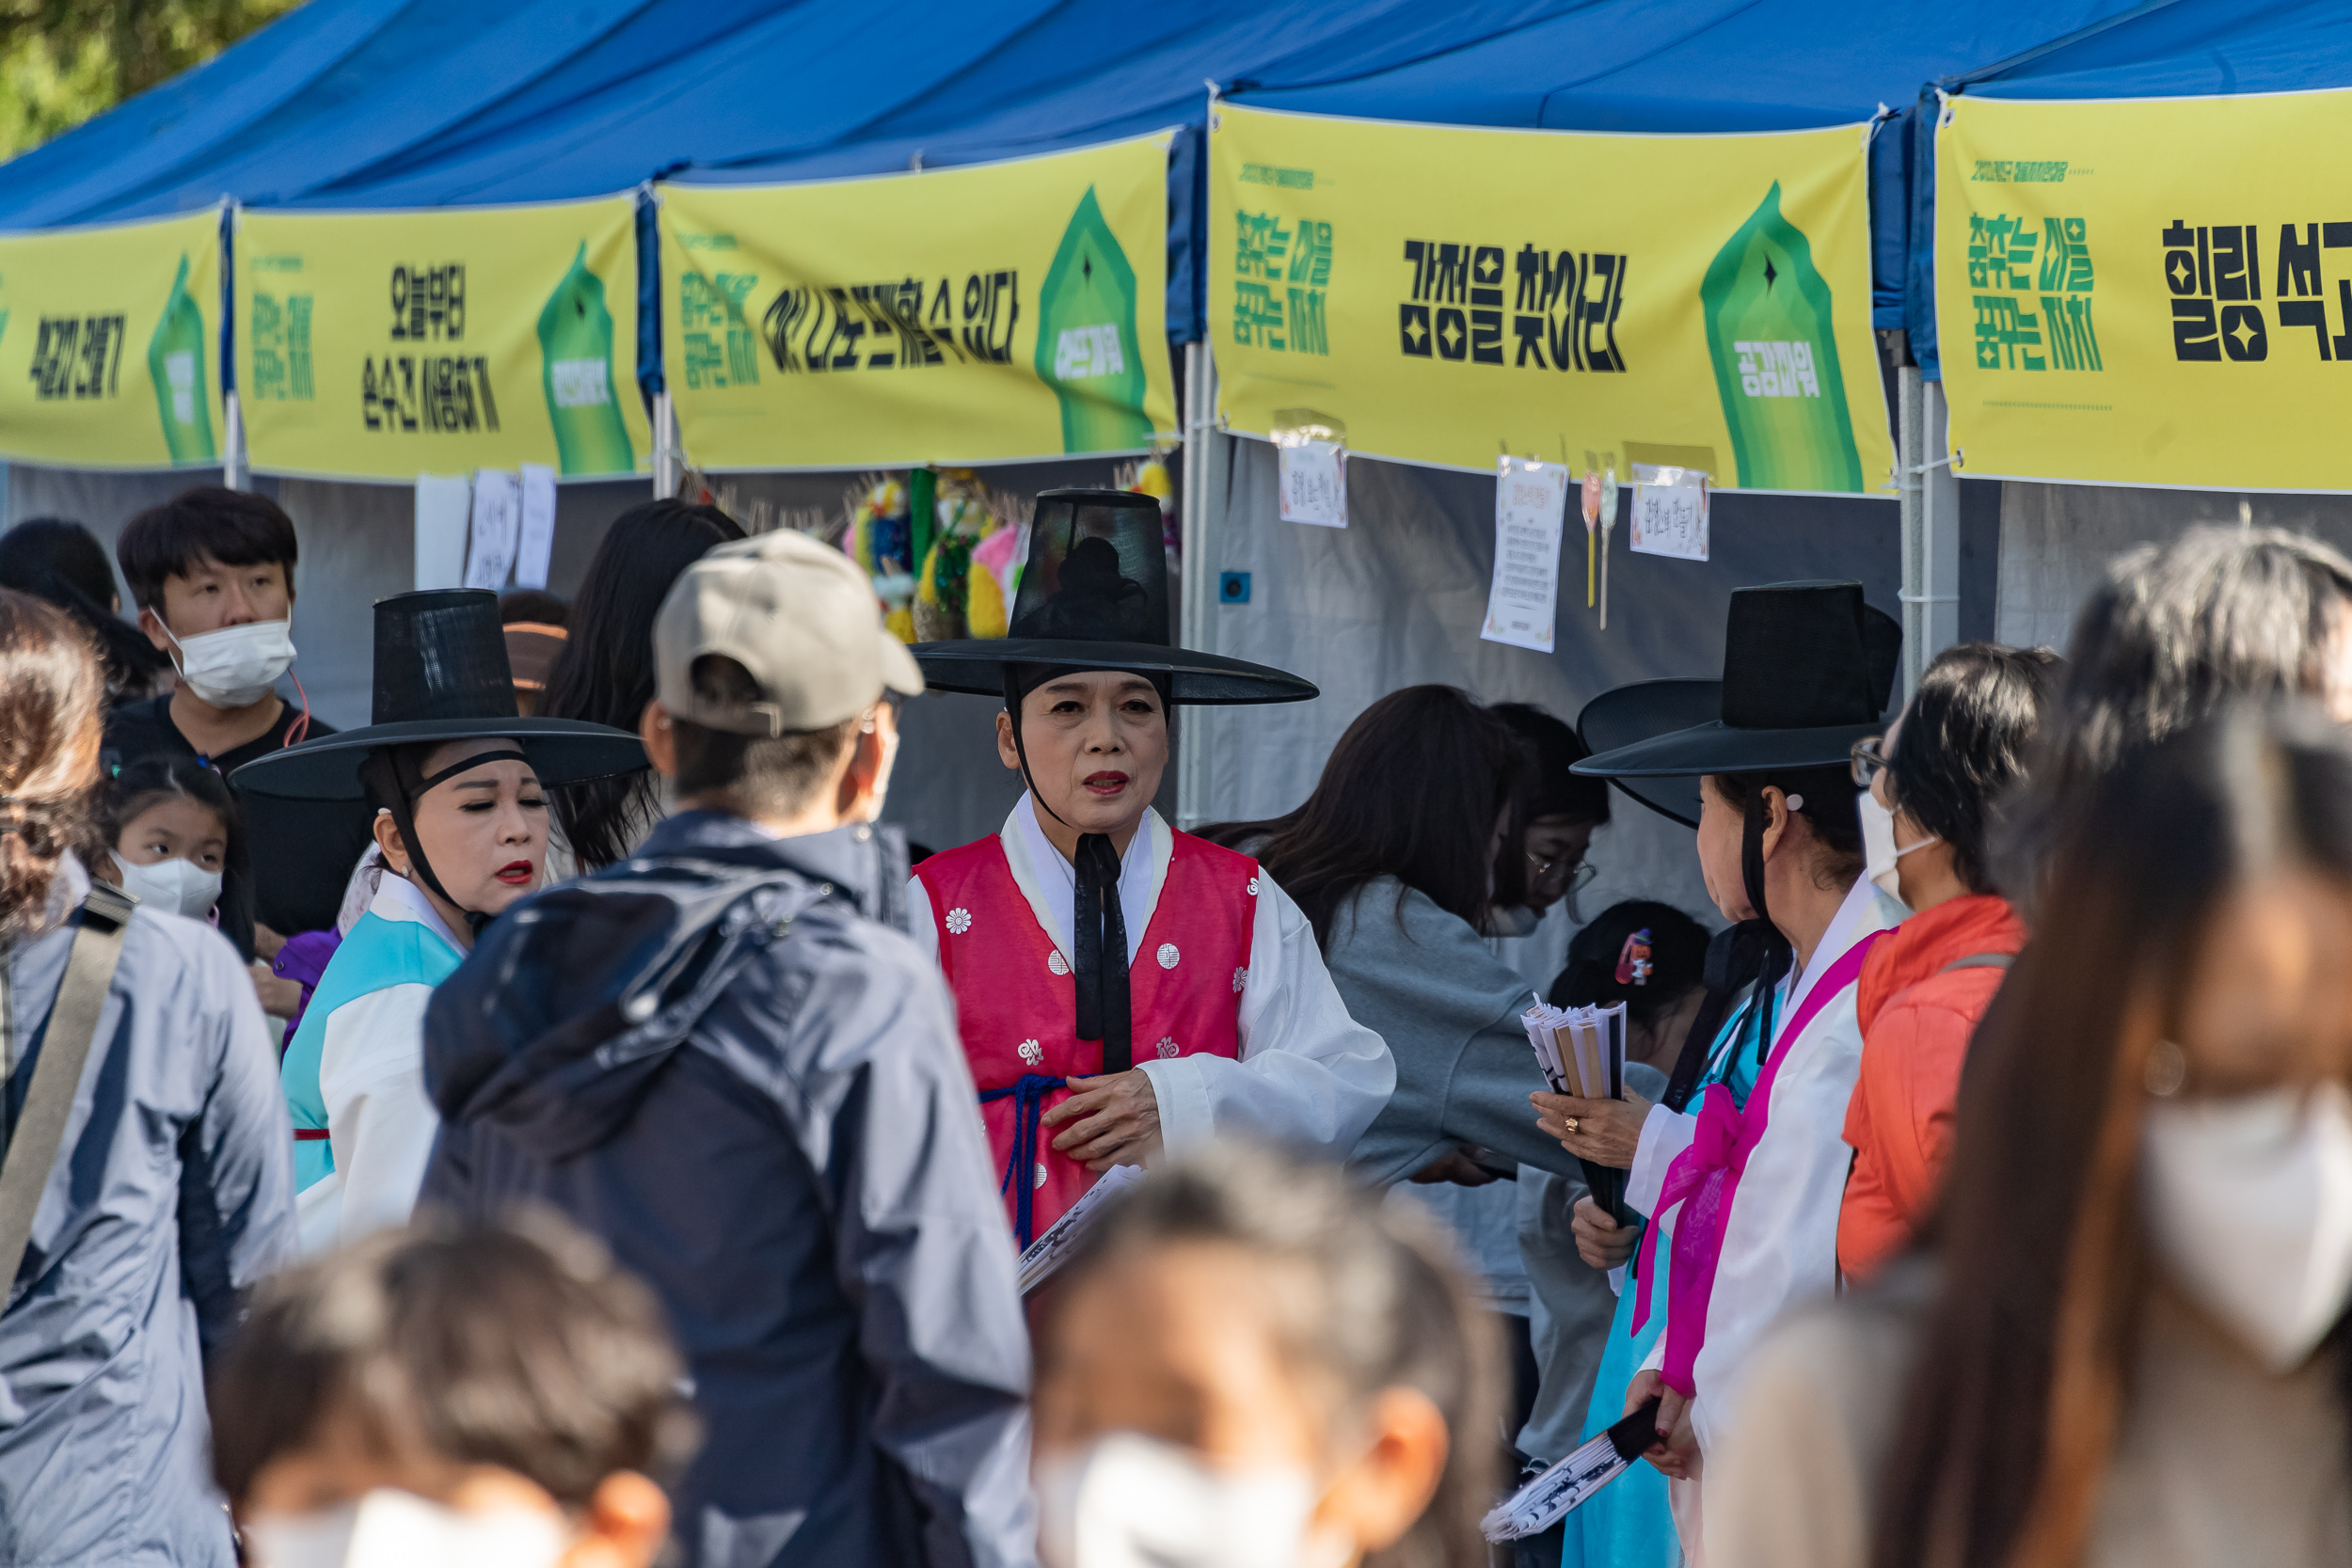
(1704, 1177)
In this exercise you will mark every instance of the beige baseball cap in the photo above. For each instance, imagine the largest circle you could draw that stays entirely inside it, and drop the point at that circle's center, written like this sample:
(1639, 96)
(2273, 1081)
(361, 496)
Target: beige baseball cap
(799, 616)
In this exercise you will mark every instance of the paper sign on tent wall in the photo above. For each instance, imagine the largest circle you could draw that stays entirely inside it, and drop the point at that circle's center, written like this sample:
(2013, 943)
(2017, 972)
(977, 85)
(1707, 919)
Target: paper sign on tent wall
(976, 314)
(539, 527)
(444, 503)
(1404, 279)
(110, 345)
(2148, 292)
(1669, 511)
(1312, 477)
(1531, 510)
(376, 344)
(497, 521)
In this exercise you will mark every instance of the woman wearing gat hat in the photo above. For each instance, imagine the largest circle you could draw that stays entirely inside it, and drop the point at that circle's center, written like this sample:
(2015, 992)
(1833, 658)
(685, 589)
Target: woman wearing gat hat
(1123, 988)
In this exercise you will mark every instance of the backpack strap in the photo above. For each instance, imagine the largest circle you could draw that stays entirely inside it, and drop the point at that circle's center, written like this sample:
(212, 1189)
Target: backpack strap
(1980, 960)
(32, 1150)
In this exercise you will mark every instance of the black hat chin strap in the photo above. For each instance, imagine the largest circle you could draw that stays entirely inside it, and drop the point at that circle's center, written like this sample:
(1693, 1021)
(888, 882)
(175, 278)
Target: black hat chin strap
(1776, 956)
(1013, 695)
(404, 817)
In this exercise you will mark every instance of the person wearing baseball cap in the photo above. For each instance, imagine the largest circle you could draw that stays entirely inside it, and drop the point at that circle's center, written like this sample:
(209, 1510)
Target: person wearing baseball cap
(723, 1056)
(1123, 988)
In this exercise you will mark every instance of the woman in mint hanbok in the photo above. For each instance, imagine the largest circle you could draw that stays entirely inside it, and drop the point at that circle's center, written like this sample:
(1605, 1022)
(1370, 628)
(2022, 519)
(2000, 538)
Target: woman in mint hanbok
(458, 782)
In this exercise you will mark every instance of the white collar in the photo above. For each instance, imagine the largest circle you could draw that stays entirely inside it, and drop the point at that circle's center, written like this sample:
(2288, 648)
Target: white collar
(1856, 918)
(398, 898)
(1050, 882)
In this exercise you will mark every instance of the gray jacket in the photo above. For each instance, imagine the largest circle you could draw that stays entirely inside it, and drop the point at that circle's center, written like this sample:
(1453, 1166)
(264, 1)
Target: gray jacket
(172, 1193)
(714, 1057)
(1425, 982)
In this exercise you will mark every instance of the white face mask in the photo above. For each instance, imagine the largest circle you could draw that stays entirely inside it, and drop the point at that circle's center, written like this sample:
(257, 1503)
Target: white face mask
(1130, 1502)
(180, 886)
(1879, 853)
(236, 666)
(390, 1529)
(2250, 1208)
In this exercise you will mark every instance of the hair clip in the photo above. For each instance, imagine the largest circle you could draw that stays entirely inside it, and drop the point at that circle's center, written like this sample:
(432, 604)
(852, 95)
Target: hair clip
(1633, 960)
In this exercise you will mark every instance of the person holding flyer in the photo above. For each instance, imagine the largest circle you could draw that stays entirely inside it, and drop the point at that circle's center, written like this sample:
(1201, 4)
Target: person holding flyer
(1808, 669)
(1123, 987)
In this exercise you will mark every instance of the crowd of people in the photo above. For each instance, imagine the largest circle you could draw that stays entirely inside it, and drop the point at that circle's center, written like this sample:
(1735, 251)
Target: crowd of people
(560, 1122)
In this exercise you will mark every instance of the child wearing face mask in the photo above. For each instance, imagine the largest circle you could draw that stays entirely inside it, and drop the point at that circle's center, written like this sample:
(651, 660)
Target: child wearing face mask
(176, 843)
(1254, 1364)
(468, 1399)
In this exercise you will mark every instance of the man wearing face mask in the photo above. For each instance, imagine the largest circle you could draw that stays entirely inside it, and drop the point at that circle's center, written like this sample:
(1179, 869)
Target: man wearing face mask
(211, 572)
(724, 1057)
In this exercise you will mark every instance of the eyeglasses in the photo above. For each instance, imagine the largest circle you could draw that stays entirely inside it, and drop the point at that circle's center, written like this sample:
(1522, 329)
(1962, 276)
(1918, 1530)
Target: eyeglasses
(1580, 875)
(1865, 760)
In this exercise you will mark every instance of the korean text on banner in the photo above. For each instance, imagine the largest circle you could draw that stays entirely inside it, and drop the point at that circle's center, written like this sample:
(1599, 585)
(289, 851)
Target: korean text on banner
(2143, 292)
(373, 345)
(109, 345)
(1699, 301)
(1004, 310)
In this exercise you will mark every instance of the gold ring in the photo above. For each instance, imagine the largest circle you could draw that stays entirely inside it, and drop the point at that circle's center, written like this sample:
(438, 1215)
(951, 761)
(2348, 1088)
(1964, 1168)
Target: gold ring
(1572, 1120)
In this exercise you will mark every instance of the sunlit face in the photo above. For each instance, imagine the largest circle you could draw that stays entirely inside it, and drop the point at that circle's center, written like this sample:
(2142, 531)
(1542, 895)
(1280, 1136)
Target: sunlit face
(2270, 999)
(211, 596)
(485, 831)
(1555, 848)
(1720, 830)
(1097, 741)
(173, 827)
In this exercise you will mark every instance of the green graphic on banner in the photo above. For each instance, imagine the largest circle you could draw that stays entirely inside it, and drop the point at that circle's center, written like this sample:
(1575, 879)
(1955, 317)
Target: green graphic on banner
(1086, 338)
(175, 360)
(1773, 340)
(575, 351)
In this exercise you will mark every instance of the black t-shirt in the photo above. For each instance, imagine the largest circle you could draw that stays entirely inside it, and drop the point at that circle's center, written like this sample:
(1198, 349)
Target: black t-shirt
(302, 850)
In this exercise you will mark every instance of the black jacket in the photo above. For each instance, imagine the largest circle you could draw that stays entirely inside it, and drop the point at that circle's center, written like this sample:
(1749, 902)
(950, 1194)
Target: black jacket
(711, 1056)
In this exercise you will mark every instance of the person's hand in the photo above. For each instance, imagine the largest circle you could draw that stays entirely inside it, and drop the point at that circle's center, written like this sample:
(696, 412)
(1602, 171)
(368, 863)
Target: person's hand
(1607, 1132)
(266, 943)
(1601, 1241)
(1677, 1451)
(1456, 1165)
(1114, 1121)
(279, 997)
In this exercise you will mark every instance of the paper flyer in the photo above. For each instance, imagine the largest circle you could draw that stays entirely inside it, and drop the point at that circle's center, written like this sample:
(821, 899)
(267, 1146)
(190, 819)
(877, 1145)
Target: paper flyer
(1531, 507)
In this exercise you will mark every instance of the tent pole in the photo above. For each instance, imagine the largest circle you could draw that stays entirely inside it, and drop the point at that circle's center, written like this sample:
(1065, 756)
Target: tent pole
(1202, 501)
(1909, 441)
(1939, 528)
(232, 468)
(665, 450)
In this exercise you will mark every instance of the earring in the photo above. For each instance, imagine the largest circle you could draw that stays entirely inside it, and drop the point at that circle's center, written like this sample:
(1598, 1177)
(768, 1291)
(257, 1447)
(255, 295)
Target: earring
(2168, 1069)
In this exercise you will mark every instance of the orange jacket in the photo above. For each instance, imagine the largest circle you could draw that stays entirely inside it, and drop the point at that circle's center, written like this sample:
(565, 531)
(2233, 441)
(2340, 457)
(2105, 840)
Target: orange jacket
(1916, 1017)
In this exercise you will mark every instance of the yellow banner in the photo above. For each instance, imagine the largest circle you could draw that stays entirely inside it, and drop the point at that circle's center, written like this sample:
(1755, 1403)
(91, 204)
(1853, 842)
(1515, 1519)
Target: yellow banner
(961, 315)
(110, 345)
(389, 344)
(2147, 293)
(1442, 295)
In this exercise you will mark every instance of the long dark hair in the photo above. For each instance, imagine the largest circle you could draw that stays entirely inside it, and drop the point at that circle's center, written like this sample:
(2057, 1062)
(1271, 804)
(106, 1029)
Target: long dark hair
(63, 563)
(2016, 1394)
(1677, 961)
(1411, 791)
(141, 784)
(1963, 742)
(1363, 1297)
(51, 694)
(605, 674)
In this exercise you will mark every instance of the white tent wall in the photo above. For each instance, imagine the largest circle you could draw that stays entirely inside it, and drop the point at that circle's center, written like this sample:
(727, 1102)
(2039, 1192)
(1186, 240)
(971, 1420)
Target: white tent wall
(2058, 539)
(1396, 599)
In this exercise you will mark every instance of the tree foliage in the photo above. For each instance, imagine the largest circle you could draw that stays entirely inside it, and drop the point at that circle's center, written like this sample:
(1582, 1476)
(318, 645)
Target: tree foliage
(62, 61)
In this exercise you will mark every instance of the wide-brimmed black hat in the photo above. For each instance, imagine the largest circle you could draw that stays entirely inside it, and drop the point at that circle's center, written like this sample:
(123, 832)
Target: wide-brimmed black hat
(441, 675)
(1628, 715)
(1808, 671)
(1095, 596)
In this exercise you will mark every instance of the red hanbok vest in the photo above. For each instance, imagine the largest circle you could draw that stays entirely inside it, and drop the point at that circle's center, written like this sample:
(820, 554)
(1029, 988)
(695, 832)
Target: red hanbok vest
(1017, 1005)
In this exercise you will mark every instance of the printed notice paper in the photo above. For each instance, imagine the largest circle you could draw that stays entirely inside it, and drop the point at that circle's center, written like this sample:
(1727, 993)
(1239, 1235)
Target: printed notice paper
(1669, 511)
(498, 505)
(1314, 484)
(538, 545)
(443, 502)
(1531, 505)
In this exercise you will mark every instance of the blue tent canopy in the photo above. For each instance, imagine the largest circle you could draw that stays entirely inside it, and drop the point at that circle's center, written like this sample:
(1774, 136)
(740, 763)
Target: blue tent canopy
(2161, 49)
